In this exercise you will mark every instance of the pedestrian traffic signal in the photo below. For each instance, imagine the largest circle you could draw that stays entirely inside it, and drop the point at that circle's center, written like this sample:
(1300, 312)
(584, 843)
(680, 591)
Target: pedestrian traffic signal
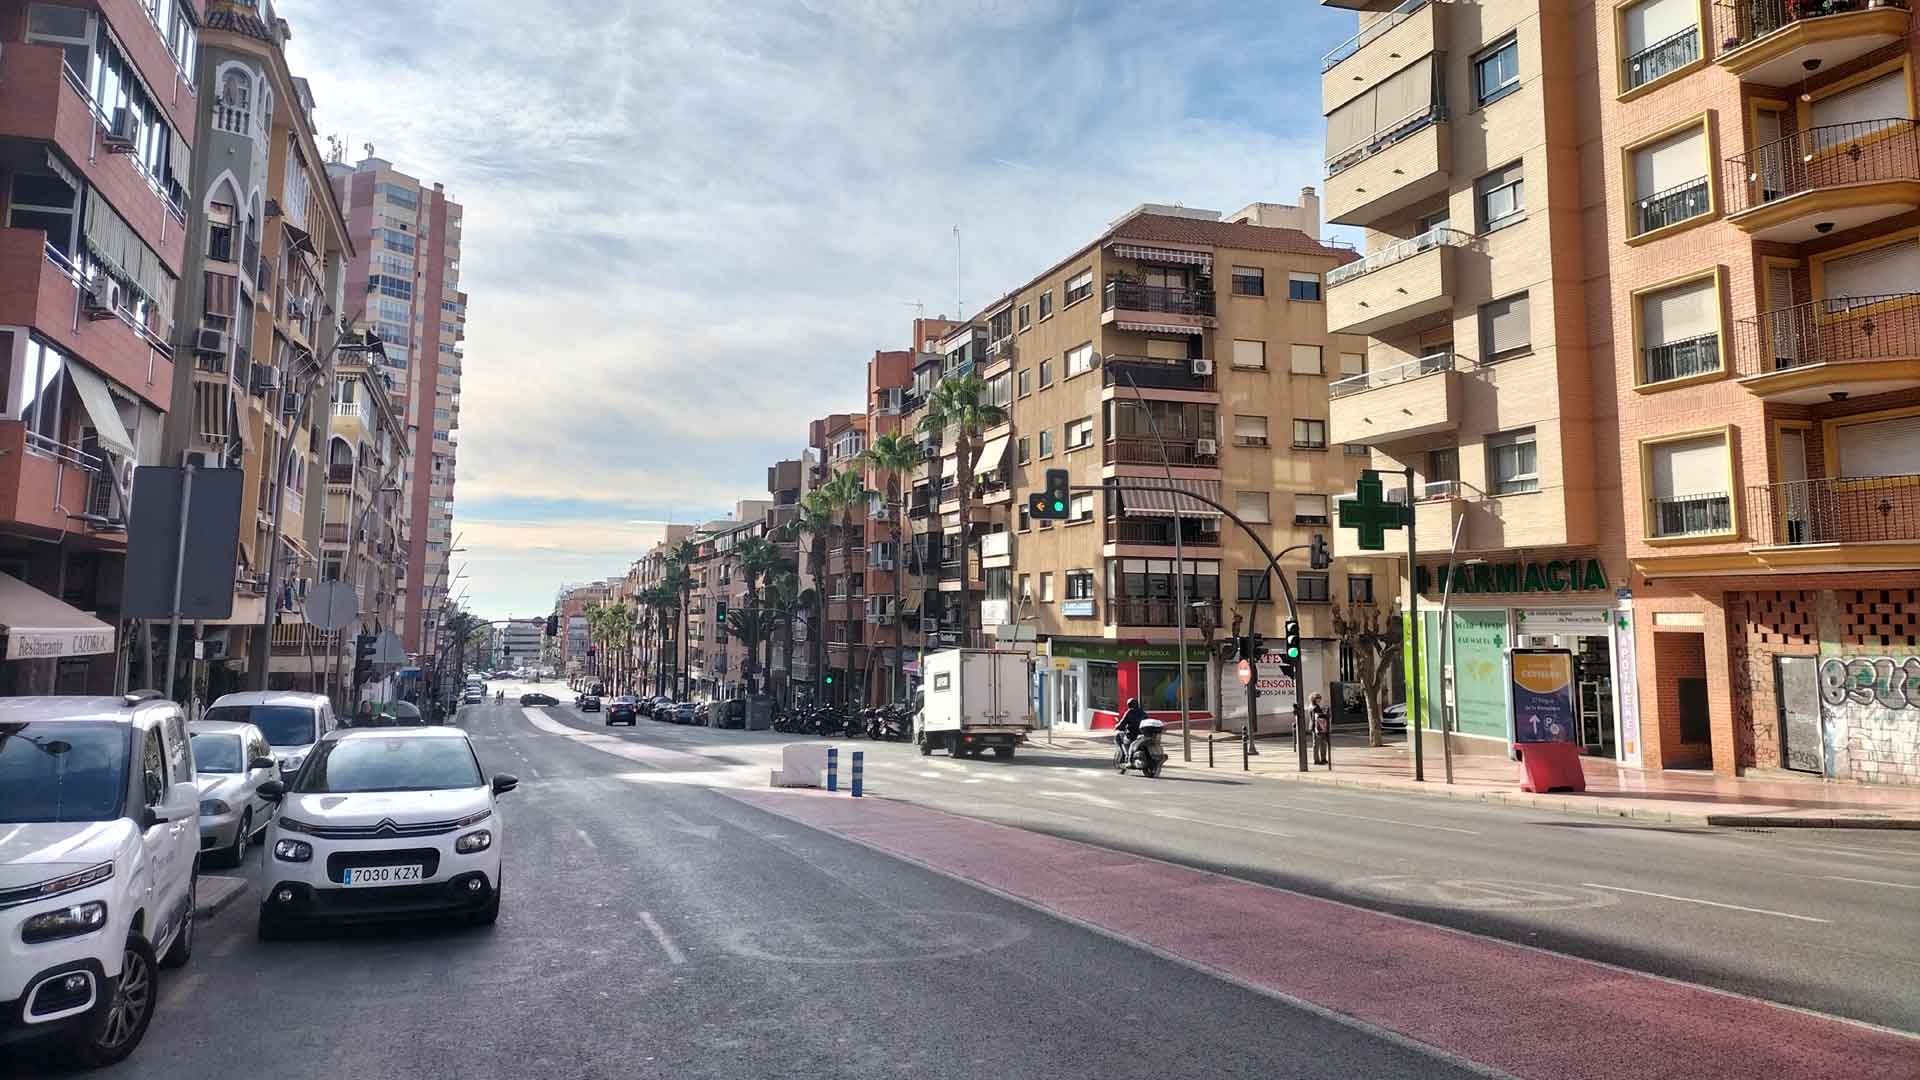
(1290, 655)
(553, 626)
(1056, 502)
(1254, 647)
(1318, 555)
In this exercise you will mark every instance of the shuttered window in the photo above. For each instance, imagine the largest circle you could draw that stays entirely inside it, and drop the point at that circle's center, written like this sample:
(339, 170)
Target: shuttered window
(1879, 99)
(1250, 354)
(1403, 96)
(1250, 505)
(1889, 269)
(1305, 360)
(1160, 348)
(1651, 22)
(1674, 162)
(1691, 468)
(1679, 314)
(1505, 328)
(1310, 509)
(1881, 448)
(1353, 363)
(1250, 430)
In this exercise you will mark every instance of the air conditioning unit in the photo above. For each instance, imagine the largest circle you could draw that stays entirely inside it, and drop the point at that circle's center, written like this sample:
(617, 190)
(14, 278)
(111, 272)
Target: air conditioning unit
(104, 298)
(880, 562)
(214, 648)
(209, 340)
(266, 377)
(1209, 525)
(123, 134)
(289, 403)
(881, 618)
(1202, 366)
(1206, 447)
(882, 513)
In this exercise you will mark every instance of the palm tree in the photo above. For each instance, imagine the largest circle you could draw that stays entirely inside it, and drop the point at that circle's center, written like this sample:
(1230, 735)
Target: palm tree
(783, 595)
(851, 499)
(815, 518)
(595, 619)
(961, 403)
(758, 558)
(617, 622)
(894, 456)
(663, 600)
(680, 575)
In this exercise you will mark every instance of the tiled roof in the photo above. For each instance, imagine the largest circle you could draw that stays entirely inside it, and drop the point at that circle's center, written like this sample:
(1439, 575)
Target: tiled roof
(239, 22)
(1160, 228)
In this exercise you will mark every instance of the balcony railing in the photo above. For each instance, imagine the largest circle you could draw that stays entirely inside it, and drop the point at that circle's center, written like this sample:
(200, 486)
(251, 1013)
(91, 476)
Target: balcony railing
(1145, 450)
(1742, 22)
(1831, 155)
(1674, 205)
(1399, 252)
(1691, 515)
(1662, 58)
(1680, 359)
(1848, 511)
(1160, 532)
(1842, 330)
(950, 571)
(1385, 136)
(340, 474)
(1139, 612)
(1172, 300)
(1152, 373)
(1370, 33)
(1398, 373)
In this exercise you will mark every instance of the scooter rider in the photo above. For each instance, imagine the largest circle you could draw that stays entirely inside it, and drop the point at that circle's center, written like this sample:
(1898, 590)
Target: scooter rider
(1129, 725)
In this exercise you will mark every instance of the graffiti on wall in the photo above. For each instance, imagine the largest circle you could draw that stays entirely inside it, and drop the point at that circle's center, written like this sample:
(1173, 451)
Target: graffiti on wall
(1871, 680)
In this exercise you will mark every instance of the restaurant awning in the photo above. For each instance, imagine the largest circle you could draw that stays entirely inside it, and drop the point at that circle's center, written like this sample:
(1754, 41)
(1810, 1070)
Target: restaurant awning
(1157, 328)
(994, 455)
(41, 627)
(1170, 497)
(1176, 256)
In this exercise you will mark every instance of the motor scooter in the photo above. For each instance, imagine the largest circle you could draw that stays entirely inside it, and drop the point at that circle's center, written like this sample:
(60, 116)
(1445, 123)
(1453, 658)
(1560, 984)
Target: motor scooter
(1144, 751)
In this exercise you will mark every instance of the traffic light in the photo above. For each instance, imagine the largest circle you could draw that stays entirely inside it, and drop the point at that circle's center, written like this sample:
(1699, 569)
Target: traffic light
(1290, 656)
(1056, 502)
(553, 626)
(1318, 555)
(362, 659)
(829, 678)
(721, 614)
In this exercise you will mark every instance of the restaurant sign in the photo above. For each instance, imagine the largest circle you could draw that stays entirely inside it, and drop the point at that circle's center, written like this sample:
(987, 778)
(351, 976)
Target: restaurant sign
(1553, 575)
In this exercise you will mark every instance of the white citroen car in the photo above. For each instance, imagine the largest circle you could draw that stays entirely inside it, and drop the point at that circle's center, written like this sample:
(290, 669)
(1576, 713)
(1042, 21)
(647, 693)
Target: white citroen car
(384, 823)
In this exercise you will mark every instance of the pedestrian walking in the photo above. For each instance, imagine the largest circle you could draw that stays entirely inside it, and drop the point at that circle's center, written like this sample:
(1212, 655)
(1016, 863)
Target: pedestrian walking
(1322, 730)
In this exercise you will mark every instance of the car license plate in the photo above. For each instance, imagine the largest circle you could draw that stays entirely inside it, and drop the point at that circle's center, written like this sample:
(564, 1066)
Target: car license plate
(380, 875)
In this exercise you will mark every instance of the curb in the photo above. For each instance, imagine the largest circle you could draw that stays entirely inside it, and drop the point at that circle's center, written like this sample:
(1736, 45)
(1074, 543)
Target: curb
(1753, 820)
(215, 893)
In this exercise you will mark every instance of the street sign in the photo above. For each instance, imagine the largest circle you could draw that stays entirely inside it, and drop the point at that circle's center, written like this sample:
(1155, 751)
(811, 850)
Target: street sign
(1371, 513)
(1245, 671)
(1061, 663)
(332, 605)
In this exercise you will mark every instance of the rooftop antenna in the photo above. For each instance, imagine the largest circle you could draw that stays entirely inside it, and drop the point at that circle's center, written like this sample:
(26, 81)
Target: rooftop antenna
(919, 309)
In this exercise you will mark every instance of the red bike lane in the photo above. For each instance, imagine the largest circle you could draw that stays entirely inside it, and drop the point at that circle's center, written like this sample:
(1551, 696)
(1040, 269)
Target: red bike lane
(1522, 1011)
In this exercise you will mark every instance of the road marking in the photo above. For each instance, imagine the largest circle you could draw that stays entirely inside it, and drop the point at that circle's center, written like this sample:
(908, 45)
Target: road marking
(1869, 881)
(585, 839)
(667, 946)
(1388, 821)
(1219, 824)
(1708, 903)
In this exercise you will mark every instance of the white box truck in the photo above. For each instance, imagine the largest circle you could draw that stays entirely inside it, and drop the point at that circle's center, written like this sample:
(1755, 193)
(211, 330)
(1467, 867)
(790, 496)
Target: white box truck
(974, 700)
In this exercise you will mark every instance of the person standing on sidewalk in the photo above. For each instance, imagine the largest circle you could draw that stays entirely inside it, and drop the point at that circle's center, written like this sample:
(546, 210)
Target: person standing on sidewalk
(1322, 730)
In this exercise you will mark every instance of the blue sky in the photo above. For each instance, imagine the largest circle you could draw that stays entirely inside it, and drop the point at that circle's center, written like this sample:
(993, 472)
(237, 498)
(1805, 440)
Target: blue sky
(688, 225)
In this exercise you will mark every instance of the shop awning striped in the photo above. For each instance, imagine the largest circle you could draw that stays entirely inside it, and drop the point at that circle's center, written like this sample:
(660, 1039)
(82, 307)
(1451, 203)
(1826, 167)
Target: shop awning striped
(1176, 256)
(1169, 497)
(1157, 327)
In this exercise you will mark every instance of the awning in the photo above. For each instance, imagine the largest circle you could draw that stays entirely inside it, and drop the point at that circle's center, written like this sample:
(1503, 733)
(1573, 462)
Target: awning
(1157, 328)
(41, 627)
(1176, 256)
(1167, 501)
(994, 456)
(298, 238)
(100, 409)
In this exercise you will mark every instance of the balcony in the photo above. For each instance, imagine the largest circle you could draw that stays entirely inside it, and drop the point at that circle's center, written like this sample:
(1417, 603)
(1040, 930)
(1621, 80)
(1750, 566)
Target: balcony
(1679, 203)
(1856, 346)
(993, 491)
(1707, 514)
(1130, 305)
(1390, 172)
(1396, 284)
(1160, 532)
(1660, 59)
(1408, 30)
(1823, 179)
(1440, 509)
(1405, 401)
(1150, 373)
(1685, 359)
(340, 474)
(44, 292)
(1771, 41)
(1145, 450)
(1817, 519)
(1131, 611)
(42, 482)
(845, 560)
(996, 549)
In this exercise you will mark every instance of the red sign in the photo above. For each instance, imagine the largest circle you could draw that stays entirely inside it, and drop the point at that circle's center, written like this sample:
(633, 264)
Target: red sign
(1246, 673)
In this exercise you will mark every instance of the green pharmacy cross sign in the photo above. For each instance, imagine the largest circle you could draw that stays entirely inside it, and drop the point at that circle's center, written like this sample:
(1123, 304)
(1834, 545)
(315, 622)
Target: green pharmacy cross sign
(1372, 514)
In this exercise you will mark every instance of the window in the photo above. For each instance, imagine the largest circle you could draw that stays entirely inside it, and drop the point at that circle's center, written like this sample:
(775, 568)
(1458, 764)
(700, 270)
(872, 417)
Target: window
(1251, 506)
(1000, 389)
(1256, 585)
(68, 27)
(1443, 465)
(1504, 328)
(1670, 180)
(1660, 37)
(1079, 359)
(1046, 443)
(1023, 380)
(1250, 355)
(1306, 360)
(1000, 325)
(1303, 286)
(1249, 281)
(1046, 588)
(1082, 507)
(1512, 463)
(1103, 685)
(1353, 363)
(1311, 587)
(1046, 375)
(1870, 448)
(1869, 275)
(1250, 431)
(1079, 287)
(1309, 509)
(1500, 197)
(1079, 433)
(403, 197)
(1079, 584)
(1688, 487)
(1026, 316)
(1026, 586)
(47, 202)
(1026, 520)
(1309, 434)
(153, 769)
(1024, 449)
(1359, 588)
(1046, 304)
(1496, 72)
(1679, 331)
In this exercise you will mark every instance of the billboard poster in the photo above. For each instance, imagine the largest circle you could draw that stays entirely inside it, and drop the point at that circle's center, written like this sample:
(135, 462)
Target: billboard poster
(1543, 696)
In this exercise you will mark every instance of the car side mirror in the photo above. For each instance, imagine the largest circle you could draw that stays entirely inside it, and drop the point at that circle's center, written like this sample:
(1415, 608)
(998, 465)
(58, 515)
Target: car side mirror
(149, 817)
(504, 782)
(272, 789)
(261, 763)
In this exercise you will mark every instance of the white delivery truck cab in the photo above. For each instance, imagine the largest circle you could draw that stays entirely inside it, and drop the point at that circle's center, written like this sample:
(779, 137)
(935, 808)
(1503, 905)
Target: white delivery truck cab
(974, 700)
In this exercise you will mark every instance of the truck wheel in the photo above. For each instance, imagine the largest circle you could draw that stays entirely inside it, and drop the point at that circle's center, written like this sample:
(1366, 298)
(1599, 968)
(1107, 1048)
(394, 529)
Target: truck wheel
(1004, 753)
(925, 744)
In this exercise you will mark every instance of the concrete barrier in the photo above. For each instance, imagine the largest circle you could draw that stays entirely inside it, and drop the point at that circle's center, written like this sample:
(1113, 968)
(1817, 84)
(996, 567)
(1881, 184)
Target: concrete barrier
(802, 765)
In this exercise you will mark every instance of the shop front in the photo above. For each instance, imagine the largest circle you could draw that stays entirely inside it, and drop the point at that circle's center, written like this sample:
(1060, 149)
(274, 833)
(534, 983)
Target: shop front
(1085, 684)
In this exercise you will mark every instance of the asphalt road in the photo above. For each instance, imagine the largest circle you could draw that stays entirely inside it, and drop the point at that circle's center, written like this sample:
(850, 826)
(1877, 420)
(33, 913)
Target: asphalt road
(664, 929)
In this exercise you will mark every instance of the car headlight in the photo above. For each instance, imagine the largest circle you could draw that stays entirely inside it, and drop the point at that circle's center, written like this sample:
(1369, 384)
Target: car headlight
(477, 840)
(79, 879)
(214, 807)
(292, 824)
(288, 764)
(65, 922)
(473, 818)
(293, 851)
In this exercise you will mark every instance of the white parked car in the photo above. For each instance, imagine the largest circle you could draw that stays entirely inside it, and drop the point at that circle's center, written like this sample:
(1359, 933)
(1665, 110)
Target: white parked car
(98, 833)
(230, 762)
(383, 823)
(293, 721)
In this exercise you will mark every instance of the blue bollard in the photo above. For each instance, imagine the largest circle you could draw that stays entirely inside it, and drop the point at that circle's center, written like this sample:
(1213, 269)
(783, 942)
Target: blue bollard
(859, 766)
(833, 768)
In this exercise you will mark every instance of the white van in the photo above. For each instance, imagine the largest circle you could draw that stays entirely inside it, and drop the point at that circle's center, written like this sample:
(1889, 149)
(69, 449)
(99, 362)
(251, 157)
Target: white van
(292, 721)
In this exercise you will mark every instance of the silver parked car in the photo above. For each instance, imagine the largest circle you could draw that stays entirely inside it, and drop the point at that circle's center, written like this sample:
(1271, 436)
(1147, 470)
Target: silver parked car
(231, 761)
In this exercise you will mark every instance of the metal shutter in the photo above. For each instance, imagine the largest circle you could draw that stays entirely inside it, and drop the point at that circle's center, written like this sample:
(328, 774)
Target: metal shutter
(1881, 448)
(1679, 314)
(1693, 467)
(1670, 163)
(1654, 21)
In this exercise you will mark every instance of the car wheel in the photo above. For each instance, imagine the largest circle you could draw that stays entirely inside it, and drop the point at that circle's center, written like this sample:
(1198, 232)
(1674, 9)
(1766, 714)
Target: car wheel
(236, 855)
(181, 950)
(120, 1021)
(489, 914)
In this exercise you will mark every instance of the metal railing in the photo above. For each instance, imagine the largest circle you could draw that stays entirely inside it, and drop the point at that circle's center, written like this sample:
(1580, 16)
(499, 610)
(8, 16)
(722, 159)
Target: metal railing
(339, 474)
(1740, 23)
(1662, 58)
(1691, 515)
(1398, 252)
(1835, 331)
(1398, 373)
(1153, 373)
(1438, 491)
(1669, 207)
(1680, 359)
(64, 453)
(1831, 155)
(1836, 511)
(1145, 450)
(1160, 532)
(1369, 34)
(1134, 296)
(1132, 611)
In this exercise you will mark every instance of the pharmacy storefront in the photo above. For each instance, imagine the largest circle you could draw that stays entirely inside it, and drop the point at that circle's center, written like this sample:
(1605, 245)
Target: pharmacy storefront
(1494, 607)
(1085, 683)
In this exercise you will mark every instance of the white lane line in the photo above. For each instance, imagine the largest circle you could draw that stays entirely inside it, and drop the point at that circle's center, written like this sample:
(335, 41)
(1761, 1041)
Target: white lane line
(1708, 903)
(1869, 881)
(660, 935)
(1861, 853)
(1387, 821)
(1219, 824)
(585, 839)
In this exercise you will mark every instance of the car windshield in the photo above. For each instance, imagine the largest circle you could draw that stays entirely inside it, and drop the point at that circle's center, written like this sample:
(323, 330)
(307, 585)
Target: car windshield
(62, 772)
(216, 753)
(284, 725)
(390, 764)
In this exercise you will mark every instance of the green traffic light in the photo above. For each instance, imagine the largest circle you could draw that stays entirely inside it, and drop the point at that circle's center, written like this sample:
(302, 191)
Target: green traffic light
(1059, 507)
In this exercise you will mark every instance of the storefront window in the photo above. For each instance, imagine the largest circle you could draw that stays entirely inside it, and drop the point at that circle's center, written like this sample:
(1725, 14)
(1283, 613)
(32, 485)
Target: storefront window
(1160, 687)
(1103, 685)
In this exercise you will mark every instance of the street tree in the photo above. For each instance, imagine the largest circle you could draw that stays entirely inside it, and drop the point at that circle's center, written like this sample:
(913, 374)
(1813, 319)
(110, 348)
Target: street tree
(894, 456)
(814, 519)
(680, 563)
(1372, 636)
(961, 404)
(758, 557)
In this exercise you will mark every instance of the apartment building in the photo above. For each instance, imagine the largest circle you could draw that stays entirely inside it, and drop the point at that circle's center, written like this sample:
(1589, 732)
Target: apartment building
(259, 312)
(1124, 363)
(1762, 182)
(405, 282)
(521, 642)
(943, 349)
(718, 663)
(99, 114)
(889, 388)
(656, 651)
(365, 457)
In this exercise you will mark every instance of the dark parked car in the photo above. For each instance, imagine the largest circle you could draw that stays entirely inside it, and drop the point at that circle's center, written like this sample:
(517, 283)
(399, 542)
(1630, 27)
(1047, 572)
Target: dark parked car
(662, 708)
(731, 713)
(588, 703)
(686, 713)
(538, 699)
(623, 710)
(644, 706)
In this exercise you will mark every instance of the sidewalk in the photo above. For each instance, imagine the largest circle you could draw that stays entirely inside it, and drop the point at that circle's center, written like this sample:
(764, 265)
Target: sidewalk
(1684, 797)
